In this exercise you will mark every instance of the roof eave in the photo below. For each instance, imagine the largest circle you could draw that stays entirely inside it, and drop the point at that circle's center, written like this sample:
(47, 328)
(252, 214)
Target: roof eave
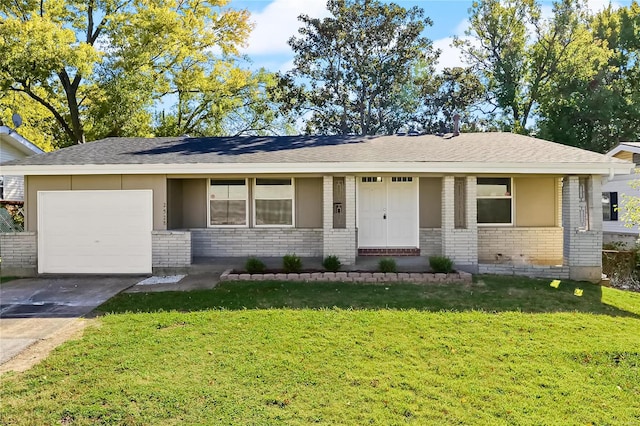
(19, 141)
(604, 168)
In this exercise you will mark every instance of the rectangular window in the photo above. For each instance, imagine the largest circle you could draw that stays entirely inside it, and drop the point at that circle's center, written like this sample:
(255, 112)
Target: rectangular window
(274, 202)
(495, 201)
(610, 206)
(228, 202)
(370, 179)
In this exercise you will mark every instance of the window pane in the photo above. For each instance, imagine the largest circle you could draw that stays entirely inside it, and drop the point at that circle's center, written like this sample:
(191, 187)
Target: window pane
(274, 212)
(606, 206)
(494, 210)
(261, 181)
(494, 187)
(232, 212)
(227, 189)
(228, 182)
(274, 192)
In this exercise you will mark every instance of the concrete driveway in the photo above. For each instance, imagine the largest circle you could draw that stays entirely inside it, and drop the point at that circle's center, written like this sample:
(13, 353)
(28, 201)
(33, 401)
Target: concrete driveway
(37, 309)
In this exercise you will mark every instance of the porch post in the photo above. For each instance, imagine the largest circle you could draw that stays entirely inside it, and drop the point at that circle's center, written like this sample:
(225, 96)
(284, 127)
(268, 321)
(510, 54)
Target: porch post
(340, 242)
(460, 243)
(582, 227)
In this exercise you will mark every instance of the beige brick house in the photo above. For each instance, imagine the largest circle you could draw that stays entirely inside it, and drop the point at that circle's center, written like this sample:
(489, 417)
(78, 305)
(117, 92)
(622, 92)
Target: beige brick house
(493, 202)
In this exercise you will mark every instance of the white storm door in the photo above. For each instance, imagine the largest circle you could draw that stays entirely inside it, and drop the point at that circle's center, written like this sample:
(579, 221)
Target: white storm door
(95, 232)
(402, 212)
(372, 200)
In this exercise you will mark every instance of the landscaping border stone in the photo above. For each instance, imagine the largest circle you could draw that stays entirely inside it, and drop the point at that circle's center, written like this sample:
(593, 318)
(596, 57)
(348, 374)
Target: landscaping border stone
(369, 277)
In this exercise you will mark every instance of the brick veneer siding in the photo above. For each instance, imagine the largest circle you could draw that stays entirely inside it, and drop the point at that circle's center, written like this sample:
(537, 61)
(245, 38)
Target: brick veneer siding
(582, 247)
(341, 242)
(19, 252)
(171, 249)
(242, 242)
(540, 246)
(461, 245)
(533, 271)
(430, 242)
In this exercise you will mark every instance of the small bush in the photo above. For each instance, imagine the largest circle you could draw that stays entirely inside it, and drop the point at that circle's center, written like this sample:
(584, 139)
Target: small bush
(331, 263)
(253, 265)
(387, 265)
(291, 263)
(441, 264)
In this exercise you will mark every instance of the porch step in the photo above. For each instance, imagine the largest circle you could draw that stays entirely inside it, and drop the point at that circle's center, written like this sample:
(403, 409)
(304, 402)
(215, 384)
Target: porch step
(389, 252)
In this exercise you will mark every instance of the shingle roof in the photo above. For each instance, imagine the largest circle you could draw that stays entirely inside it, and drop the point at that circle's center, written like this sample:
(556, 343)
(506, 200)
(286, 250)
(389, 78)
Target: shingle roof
(467, 147)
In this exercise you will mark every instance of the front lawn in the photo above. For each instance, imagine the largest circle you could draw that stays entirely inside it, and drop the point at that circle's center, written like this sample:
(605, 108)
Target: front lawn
(499, 351)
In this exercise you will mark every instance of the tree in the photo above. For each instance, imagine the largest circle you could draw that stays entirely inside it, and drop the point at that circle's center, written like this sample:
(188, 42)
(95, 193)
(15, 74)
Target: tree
(354, 66)
(599, 111)
(231, 101)
(98, 66)
(454, 91)
(517, 54)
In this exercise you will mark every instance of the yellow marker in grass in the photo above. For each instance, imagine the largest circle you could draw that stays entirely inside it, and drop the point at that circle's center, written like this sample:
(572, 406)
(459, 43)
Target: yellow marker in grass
(577, 292)
(555, 283)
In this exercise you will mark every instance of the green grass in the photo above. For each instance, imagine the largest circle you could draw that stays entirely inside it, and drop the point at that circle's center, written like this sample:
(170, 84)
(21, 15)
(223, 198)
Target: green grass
(508, 351)
(7, 279)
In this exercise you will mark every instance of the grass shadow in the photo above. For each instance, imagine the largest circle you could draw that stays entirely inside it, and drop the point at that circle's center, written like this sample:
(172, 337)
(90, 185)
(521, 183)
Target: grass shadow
(488, 293)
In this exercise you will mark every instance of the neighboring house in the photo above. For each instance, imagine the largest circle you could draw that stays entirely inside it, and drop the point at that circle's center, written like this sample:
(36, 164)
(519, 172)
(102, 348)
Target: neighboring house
(613, 190)
(12, 147)
(492, 202)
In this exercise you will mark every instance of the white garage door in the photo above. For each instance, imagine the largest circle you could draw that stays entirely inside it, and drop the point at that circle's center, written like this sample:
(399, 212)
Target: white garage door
(95, 232)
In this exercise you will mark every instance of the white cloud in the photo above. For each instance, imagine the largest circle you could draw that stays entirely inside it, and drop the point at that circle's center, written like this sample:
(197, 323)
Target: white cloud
(450, 56)
(278, 22)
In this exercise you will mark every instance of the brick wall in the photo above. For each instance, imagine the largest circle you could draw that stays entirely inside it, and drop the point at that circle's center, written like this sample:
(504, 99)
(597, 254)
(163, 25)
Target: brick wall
(541, 246)
(242, 242)
(533, 271)
(430, 242)
(19, 252)
(461, 245)
(171, 249)
(339, 242)
(582, 247)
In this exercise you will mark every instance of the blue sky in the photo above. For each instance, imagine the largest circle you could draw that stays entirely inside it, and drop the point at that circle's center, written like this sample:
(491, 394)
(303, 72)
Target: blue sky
(276, 20)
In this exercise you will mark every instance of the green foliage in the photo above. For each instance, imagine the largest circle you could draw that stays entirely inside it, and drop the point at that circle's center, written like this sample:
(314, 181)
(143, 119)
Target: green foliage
(253, 265)
(441, 264)
(291, 263)
(331, 263)
(599, 109)
(521, 57)
(387, 264)
(357, 63)
(290, 356)
(97, 68)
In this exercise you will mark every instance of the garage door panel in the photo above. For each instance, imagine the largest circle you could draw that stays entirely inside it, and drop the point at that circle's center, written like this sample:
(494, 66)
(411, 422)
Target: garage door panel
(95, 231)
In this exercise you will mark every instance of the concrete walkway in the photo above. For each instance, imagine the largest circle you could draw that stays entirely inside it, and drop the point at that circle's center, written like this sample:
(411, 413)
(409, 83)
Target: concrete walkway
(38, 310)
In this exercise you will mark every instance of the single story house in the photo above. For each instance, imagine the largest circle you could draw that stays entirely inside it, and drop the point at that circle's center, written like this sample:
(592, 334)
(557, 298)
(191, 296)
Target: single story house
(492, 202)
(12, 147)
(614, 188)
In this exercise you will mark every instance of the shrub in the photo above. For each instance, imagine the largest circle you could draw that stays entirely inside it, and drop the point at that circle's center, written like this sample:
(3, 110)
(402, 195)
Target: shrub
(441, 264)
(387, 265)
(291, 263)
(331, 263)
(253, 265)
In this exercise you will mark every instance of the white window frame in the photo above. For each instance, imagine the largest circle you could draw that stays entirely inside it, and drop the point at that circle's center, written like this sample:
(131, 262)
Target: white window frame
(246, 201)
(497, 197)
(293, 203)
